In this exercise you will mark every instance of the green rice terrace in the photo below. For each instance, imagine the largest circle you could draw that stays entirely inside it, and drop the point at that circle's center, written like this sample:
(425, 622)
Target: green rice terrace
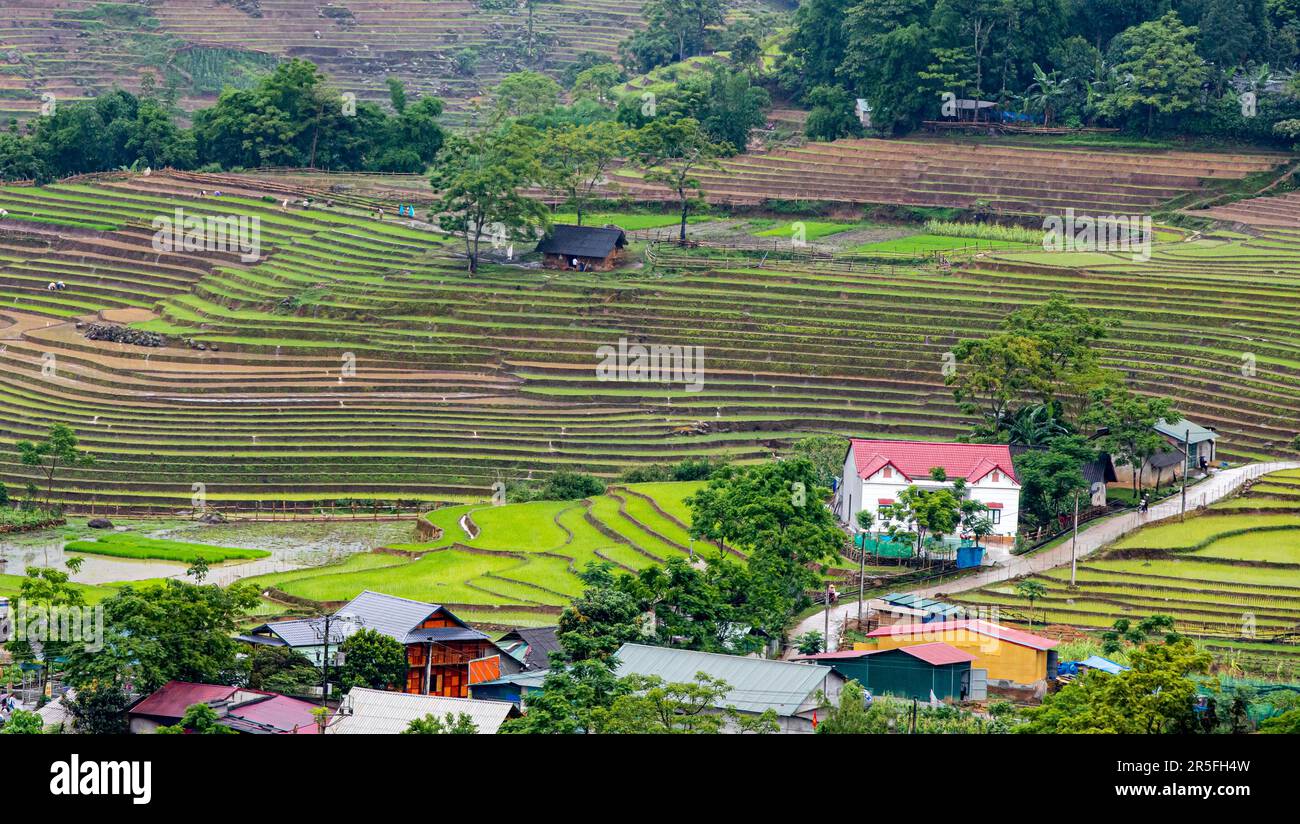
(508, 565)
(1230, 576)
(357, 361)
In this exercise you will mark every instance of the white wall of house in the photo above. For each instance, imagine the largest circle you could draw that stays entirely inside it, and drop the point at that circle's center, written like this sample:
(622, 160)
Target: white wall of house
(995, 490)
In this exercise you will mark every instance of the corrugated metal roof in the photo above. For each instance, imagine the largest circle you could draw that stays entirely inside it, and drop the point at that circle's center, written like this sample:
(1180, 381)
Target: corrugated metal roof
(444, 634)
(273, 714)
(757, 684)
(305, 632)
(387, 614)
(1178, 430)
(938, 653)
(173, 698)
(376, 712)
(393, 616)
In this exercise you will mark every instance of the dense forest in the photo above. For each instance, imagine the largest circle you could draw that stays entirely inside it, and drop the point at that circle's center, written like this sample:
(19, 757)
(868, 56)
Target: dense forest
(1170, 66)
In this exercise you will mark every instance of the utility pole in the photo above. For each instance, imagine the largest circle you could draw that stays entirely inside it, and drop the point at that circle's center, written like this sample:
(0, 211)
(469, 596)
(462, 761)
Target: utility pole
(325, 656)
(826, 637)
(862, 576)
(325, 664)
(1187, 437)
(1074, 541)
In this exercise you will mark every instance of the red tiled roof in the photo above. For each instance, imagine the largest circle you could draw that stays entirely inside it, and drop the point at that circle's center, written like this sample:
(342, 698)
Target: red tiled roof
(937, 653)
(915, 459)
(988, 628)
(173, 698)
(280, 712)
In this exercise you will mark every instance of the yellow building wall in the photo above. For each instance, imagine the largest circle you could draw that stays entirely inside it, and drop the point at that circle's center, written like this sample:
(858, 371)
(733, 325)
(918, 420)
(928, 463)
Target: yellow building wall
(1003, 659)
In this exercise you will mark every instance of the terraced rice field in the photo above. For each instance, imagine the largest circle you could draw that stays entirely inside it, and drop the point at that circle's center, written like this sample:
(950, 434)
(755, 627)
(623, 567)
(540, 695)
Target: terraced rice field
(1226, 575)
(70, 49)
(520, 565)
(1010, 178)
(356, 361)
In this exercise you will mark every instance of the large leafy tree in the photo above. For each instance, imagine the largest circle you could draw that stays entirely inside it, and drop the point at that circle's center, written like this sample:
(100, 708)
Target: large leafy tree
(602, 619)
(733, 107)
(525, 93)
(481, 180)
(1050, 478)
(581, 679)
(576, 158)
(817, 44)
(279, 669)
(1154, 696)
(100, 709)
(1164, 73)
(372, 659)
(1041, 354)
(775, 513)
(59, 449)
(46, 587)
(889, 47)
(672, 151)
(162, 632)
(696, 608)
(832, 114)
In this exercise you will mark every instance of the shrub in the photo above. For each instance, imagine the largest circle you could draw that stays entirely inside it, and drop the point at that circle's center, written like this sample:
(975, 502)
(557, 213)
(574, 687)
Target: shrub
(567, 485)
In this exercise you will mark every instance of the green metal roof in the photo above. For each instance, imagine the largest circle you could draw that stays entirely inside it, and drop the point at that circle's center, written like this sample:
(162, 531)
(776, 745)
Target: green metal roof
(1176, 431)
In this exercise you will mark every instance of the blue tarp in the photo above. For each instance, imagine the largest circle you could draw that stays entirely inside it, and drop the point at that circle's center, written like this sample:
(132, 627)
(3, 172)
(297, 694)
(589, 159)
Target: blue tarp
(1105, 665)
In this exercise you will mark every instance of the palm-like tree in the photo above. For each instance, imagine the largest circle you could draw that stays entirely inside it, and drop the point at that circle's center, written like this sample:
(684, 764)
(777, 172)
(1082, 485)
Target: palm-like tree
(1031, 591)
(1035, 426)
(1048, 92)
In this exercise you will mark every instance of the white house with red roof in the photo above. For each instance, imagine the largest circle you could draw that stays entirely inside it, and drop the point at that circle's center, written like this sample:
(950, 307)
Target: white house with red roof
(875, 472)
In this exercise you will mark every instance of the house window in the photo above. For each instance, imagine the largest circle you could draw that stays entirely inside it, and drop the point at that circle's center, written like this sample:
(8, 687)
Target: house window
(997, 476)
(995, 515)
(888, 472)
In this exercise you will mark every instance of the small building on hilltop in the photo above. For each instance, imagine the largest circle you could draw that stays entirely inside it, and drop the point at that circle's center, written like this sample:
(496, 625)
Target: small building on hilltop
(583, 248)
(923, 671)
(1169, 464)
